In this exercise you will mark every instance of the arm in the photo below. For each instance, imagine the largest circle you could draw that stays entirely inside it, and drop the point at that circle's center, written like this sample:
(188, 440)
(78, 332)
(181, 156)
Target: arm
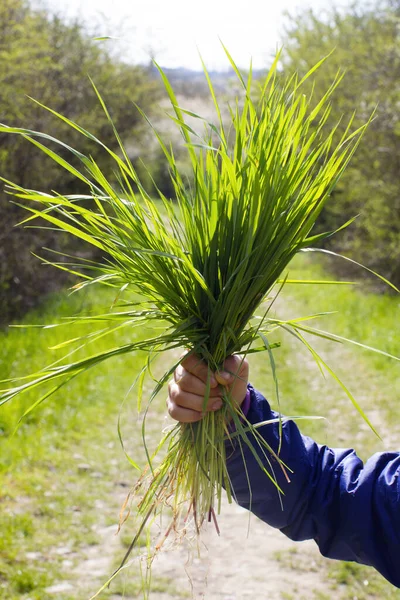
(352, 511)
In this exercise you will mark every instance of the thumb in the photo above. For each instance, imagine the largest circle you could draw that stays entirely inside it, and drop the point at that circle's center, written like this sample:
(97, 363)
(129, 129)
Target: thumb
(224, 378)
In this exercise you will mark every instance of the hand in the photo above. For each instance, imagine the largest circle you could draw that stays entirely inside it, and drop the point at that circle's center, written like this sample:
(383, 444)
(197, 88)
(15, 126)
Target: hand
(188, 388)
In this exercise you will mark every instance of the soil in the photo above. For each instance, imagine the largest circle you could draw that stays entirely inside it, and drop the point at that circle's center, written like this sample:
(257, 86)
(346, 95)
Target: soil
(243, 562)
(247, 560)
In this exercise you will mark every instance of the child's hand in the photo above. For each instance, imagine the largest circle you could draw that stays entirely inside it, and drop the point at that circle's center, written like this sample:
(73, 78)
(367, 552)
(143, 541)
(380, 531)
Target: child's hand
(188, 388)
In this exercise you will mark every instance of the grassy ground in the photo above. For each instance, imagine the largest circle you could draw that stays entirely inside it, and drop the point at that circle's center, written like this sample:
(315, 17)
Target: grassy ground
(61, 468)
(372, 378)
(63, 475)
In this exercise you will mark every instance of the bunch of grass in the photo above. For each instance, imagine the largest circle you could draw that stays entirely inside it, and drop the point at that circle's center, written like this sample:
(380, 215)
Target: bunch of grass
(203, 269)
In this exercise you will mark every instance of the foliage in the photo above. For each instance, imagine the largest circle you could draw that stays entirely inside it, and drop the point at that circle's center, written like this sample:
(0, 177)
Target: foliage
(205, 269)
(49, 60)
(365, 39)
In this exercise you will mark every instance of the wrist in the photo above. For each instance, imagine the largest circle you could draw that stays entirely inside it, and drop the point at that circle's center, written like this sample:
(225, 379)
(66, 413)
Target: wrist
(246, 403)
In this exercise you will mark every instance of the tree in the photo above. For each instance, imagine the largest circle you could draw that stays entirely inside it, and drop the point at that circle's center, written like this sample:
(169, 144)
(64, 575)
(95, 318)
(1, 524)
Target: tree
(50, 60)
(365, 40)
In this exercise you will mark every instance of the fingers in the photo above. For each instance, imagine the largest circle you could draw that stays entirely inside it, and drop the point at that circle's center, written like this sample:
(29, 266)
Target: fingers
(189, 399)
(183, 415)
(189, 388)
(234, 367)
(192, 380)
(235, 375)
(194, 365)
(191, 383)
(188, 407)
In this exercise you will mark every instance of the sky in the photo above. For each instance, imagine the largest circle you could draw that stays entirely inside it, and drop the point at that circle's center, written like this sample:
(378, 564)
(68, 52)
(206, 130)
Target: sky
(174, 31)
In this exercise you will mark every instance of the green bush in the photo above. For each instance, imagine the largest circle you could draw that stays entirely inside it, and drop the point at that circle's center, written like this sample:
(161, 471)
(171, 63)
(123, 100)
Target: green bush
(365, 43)
(43, 57)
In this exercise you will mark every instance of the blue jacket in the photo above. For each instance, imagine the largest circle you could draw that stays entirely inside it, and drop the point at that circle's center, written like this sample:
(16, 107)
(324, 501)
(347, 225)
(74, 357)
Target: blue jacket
(351, 510)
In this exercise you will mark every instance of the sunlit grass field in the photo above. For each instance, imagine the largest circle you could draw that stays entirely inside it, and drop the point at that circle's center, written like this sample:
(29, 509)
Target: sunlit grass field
(63, 471)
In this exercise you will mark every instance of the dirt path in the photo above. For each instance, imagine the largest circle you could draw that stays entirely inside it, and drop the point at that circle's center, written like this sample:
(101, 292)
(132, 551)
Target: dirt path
(248, 560)
(240, 563)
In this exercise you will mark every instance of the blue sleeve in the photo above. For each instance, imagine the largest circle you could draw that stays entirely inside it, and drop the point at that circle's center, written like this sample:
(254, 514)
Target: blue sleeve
(351, 510)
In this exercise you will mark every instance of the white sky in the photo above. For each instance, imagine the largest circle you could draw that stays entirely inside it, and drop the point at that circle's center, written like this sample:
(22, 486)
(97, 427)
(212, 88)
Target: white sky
(171, 30)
